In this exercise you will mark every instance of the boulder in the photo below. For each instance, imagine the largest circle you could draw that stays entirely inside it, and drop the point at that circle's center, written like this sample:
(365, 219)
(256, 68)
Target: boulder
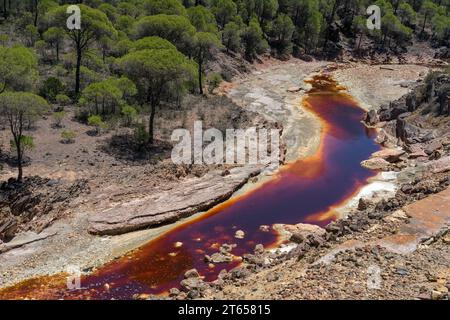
(239, 234)
(376, 164)
(433, 146)
(372, 118)
(390, 155)
(219, 258)
(190, 284)
(439, 166)
(192, 273)
(411, 102)
(8, 228)
(299, 232)
(392, 112)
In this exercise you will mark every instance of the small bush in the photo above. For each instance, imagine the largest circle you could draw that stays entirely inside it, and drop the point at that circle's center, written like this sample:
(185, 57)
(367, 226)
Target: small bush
(141, 136)
(213, 81)
(58, 118)
(129, 113)
(51, 88)
(26, 142)
(68, 136)
(97, 122)
(62, 100)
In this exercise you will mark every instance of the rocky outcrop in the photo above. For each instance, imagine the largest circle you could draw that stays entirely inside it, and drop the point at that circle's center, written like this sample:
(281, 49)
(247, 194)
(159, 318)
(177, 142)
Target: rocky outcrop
(188, 197)
(33, 204)
(417, 120)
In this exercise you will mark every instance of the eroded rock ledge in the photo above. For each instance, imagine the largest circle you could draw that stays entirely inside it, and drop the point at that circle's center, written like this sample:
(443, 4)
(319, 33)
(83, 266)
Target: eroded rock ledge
(187, 198)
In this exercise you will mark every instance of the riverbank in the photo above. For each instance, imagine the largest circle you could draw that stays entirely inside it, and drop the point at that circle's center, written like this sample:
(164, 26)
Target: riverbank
(393, 246)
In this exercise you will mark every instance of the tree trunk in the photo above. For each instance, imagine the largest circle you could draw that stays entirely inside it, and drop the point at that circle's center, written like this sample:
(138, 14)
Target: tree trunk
(424, 24)
(57, 51)
(359, 42)
(77, 74)
(19, 158)
(5, 11)
(151, 121)
(35, 12)
(200, 76)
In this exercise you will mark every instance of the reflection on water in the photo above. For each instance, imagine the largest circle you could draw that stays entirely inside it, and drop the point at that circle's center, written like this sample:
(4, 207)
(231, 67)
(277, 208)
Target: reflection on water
(304, 191)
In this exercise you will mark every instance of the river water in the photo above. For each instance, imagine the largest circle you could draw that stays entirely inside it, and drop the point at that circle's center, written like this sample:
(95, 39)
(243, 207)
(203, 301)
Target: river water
(307, 190)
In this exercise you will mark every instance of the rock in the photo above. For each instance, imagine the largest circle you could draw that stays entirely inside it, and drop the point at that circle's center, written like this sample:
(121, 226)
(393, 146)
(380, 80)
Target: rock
(363, 204)
(174, 292)
(193, 284)
(376, 164)
(8, 228)
(142, 296)
(390, 155)
(411, 102)
(264, 228)
(189, 197)
(239, 273)
(294, 89)
(391, 112)
(192, 273)
(315, 240)
(433, 146)
(227, 248)
(287, 231)
(259, 248)
(218, 258)
(297, 238)
(256, 260)
(193, 294)
(272, 276)
(372, 118)
(446, 239)
(401, 271)
(415, 152)
(178, 244)
(424, 296)
(438, 166)
(239, 234)
(437, 295)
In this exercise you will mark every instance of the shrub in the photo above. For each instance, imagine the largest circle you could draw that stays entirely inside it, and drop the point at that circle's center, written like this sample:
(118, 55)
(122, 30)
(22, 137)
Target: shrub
(129, 113)
(27, 143)
(214, 81)
(97, 122)
(51, 88)
(62, 100)
(141, 136)
(58, 117)
(68, 136)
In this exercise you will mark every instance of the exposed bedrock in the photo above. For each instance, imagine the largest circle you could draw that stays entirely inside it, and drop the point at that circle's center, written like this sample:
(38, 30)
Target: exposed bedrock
(187, 198)
(418, 121)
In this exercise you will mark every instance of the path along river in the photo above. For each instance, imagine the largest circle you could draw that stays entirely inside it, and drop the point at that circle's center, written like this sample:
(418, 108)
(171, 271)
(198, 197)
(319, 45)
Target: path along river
(307, 190)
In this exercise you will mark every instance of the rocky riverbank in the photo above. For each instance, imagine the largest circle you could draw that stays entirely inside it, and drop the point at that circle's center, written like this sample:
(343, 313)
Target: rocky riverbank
(386, 248)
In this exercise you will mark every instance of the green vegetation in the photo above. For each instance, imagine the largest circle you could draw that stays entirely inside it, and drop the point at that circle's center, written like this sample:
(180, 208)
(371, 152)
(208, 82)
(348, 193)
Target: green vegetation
(58, 118)
(18, 109)
(68, 136)
(96, 122)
